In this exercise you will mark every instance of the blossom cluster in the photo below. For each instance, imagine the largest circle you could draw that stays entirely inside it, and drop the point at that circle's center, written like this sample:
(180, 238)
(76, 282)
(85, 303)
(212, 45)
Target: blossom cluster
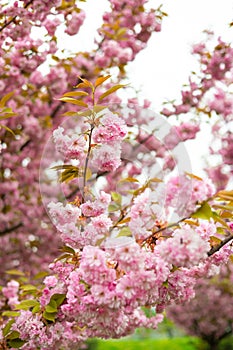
(208, 93)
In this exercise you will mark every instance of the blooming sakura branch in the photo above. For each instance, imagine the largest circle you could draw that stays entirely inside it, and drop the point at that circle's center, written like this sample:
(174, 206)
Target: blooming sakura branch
(129, 230)
(120, 253)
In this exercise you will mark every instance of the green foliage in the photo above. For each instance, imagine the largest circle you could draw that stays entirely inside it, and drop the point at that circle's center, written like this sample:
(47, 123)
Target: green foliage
(116, 197)
(161, 344)
(51, 308)
(16, 343)
(125, 231)
(11, 313)
(26, 304)
(204, 212)
(7, 327)
(15, 272)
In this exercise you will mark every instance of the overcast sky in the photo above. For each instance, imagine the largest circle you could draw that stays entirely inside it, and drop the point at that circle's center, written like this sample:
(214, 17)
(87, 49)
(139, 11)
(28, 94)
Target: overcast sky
(167, 60)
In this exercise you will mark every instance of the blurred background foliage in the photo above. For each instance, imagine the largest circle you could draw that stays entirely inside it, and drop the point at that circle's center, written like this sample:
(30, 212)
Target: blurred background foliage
(167, 337)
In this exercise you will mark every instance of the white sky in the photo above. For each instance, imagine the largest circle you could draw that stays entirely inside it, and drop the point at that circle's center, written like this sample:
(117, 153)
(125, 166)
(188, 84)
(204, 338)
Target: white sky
(161, 69)
(164, 66)
(167, 60)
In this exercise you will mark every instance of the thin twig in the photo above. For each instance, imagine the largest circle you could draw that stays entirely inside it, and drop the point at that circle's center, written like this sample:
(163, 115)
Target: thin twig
(86, 163)
(15, 17)
(11, 229)
(163, 229)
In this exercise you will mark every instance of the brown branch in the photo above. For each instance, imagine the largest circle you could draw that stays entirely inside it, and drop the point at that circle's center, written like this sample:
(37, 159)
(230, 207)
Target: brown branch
(163, 229)
(11, 229)
(220, 245)
(15, 17)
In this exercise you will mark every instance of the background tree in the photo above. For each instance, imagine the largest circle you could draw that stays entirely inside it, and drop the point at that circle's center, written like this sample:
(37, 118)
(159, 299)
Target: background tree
(209, 314)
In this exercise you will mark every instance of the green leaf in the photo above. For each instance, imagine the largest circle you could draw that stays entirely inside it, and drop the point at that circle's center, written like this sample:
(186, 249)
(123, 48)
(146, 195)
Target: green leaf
(49, 316)
(204, 212)
(28, 288)
(26, 304)
(125, 231)
(111, 91)
(40, 275)
(221, 230)
(73, 101)
(16, 343)
(13, 335)
(214, 241)
(58, 298)
(51, 307)
(63, 256)
(113, 207)
(36, 309)
(11, 313)
(149, 312)
(68, 250)
(116, 197)
(15, 272)
(7, 327)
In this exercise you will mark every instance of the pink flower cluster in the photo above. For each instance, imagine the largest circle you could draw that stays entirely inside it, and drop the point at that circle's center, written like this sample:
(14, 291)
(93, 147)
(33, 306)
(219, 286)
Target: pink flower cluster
(221, 103)
(183, 193)
(10, 292)
(184, 131)
(185, 248)
(112, 129)
(74, 21)
(70, 146)
(82, 226)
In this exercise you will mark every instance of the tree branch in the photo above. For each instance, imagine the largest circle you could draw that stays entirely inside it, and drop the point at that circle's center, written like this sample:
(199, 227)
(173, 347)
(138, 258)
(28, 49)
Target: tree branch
(220, 245)
(14, 18)
(11, 229)
(163, 229)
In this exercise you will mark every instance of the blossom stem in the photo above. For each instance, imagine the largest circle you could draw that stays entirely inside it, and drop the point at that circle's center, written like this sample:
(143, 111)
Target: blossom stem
(86, 163)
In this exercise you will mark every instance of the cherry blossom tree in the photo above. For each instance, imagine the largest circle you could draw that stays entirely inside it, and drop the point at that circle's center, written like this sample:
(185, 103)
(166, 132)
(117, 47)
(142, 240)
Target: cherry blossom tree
(135, 229)
(25, 228)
